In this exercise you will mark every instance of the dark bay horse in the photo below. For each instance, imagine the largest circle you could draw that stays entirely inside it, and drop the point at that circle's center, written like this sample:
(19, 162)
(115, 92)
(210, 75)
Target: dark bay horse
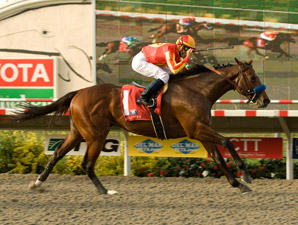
(172, 28)
(254, 44)
(114, 46)
(104, 67)
(186, 108)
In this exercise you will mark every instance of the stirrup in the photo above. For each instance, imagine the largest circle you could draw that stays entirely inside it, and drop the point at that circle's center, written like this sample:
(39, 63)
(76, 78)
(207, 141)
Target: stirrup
(153, 103)
(148, 104)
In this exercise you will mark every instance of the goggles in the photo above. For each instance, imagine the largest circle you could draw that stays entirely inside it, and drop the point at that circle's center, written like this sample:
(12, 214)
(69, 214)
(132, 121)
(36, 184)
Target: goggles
(185, 48)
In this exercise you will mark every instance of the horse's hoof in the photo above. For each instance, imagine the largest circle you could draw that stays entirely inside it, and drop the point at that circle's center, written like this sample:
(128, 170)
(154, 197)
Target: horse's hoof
(245, 190)
(112, 192)
(246, 178)
(34, 187)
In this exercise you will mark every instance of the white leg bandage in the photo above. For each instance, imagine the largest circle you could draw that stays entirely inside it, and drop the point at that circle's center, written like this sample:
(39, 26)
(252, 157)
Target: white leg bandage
(37, 183)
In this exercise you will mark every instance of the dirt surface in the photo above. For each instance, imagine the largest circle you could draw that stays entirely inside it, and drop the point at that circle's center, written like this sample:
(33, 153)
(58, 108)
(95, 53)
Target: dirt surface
(68, 199)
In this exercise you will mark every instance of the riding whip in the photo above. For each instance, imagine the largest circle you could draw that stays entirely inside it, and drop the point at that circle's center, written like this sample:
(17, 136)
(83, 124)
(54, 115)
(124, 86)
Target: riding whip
(209, 49)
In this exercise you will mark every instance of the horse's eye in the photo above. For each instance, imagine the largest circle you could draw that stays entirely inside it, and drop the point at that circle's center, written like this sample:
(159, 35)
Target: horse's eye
(253, 79)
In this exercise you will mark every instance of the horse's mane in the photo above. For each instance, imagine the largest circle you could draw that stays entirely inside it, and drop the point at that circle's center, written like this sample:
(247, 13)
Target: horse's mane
(193, 70)
(196, 69)
(222, 66)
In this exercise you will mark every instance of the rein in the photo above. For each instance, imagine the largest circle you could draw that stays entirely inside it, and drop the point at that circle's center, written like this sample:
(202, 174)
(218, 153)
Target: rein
(251, 93)
(221, 74)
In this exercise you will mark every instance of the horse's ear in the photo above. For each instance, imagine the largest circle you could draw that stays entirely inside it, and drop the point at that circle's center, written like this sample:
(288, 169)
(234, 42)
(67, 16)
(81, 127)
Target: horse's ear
(241, 64)
(250, 61)
(237, 61)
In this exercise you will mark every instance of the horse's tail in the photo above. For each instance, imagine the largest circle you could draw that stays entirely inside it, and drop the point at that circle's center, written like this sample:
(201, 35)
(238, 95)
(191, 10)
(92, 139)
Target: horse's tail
(101, 44)
(59, 107)
(154, 29)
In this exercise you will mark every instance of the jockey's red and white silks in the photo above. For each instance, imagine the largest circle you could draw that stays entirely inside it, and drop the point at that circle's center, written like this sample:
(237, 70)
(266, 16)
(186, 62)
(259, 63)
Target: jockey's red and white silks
(158, 60)
(140, 65)
(269, 35)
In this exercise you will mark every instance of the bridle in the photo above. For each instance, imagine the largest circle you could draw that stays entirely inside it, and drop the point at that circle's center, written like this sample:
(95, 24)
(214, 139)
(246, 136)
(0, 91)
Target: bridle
(252, 93)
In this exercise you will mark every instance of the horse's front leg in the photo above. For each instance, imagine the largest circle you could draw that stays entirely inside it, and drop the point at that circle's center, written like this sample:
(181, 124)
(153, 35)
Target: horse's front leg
(281, 53)
(239, 162)
(219, 160)
(249, 52)
(209, 138)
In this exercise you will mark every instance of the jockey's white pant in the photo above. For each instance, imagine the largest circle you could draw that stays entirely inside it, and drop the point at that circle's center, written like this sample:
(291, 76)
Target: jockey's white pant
(140, 65)
(263, 36)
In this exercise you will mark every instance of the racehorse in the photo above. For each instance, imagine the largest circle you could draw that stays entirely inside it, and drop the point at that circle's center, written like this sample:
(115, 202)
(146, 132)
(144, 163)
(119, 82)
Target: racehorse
(114, 46)
(172, 28)
(254, 43)
(104, 67)
(186, 108)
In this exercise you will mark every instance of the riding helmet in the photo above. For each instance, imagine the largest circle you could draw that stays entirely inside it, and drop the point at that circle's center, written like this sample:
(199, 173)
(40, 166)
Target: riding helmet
(186, 40)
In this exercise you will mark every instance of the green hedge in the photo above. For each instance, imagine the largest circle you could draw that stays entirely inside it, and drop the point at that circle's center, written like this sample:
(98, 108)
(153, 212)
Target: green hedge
(23, 152)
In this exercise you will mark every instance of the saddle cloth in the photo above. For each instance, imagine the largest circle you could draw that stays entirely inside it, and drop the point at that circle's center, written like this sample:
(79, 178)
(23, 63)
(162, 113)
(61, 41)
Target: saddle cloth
(261, 43)
(133, 111)
(123, 47)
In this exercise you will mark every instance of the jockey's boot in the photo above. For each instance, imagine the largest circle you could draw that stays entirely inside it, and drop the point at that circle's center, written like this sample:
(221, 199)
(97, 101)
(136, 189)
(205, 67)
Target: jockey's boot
(150, 92)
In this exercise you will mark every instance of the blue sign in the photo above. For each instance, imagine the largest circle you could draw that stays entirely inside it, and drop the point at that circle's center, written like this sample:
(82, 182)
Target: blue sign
(148, 146)
(185, 146)
(295, 148)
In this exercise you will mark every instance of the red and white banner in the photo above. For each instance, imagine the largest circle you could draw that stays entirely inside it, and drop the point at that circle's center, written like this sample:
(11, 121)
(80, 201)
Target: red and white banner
(39, 72)
(253, 147)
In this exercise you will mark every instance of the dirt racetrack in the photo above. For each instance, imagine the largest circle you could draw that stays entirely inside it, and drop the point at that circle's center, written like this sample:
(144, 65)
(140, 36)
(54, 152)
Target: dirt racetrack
(68, 199)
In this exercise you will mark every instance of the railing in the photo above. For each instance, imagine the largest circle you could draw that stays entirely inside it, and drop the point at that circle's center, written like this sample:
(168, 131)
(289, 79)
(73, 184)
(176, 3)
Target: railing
(231, 101)
(215, 113)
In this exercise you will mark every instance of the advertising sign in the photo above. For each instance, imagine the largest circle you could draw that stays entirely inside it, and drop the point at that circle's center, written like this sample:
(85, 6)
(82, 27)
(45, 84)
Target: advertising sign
(28, 78)
(181, 147)
(111, 146)
(252, 147)
(295, 148)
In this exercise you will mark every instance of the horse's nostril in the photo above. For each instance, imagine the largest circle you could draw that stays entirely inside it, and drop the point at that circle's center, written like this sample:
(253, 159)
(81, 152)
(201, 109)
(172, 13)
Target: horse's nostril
(266, 101)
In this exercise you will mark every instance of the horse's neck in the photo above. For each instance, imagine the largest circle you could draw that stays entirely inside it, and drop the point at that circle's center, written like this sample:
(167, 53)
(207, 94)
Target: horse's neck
(221, 85)
(212, 85)
(198, 25)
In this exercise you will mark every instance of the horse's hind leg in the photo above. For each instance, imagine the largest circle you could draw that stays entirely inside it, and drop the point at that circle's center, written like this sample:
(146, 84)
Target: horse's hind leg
(94, 148)
(95, 139)
(259, 53)
(214, 152)
(89, 161)
(69, 143)
(157, 37)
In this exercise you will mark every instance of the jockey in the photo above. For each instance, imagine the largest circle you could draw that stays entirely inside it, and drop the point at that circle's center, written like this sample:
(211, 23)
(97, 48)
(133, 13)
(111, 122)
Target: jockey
(184, 24)
(130, 41)
(159, 61)
(269, 35)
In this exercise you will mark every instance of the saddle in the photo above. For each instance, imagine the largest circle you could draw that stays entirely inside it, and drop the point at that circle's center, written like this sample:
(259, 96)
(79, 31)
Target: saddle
(135, 112)
(261, 43)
